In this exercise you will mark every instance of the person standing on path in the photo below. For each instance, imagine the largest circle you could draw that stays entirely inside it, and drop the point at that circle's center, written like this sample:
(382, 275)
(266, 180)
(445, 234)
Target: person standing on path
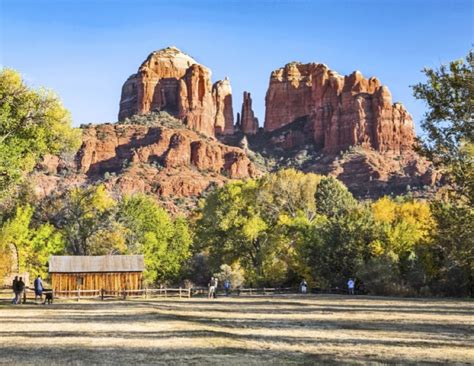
(212, 288)
(15, 290)
(216, 282)
(20, 289)
(38, 288)
(227, 287)
(350, 286)
(304, 286)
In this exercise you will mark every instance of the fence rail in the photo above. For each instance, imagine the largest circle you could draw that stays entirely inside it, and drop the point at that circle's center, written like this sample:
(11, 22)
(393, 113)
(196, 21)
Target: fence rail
(147, 293)
(7, 294)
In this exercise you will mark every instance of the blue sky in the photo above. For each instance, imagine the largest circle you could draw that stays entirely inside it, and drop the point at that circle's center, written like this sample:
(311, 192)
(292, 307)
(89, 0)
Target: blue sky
(85, 50)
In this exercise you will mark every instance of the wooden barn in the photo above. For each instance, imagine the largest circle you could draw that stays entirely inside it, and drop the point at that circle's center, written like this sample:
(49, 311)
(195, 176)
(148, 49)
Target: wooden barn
(112, 273)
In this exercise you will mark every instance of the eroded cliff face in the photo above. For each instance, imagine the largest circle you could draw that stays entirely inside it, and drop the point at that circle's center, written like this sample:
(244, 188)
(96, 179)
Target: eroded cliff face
(168, 163)
(341, 111)
(172, 81)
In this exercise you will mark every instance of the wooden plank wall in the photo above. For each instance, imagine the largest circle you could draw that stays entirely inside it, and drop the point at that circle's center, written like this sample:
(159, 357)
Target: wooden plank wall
(110, 281)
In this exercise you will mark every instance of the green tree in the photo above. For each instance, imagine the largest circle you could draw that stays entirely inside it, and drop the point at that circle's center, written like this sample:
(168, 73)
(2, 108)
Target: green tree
(231, 227)
(453, 249)
(152, 232)
(32, 123)
(448, 124)
(449, 144)
(333, 198)
(336, 247)
(33, 244)
(253, 223)
(84, 215)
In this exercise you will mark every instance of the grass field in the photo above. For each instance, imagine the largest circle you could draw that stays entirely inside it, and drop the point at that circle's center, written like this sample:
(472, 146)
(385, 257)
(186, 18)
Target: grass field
(290, 329)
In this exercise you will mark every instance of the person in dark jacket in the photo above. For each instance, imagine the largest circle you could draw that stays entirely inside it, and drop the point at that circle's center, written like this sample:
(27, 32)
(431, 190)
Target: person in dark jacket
(15, 289)
(20, 289)
(38, 288)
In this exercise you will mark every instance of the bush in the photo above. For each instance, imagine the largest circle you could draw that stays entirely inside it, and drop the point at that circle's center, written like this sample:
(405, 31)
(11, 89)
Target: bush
(154, 119)
(380, 276)
(233, 274)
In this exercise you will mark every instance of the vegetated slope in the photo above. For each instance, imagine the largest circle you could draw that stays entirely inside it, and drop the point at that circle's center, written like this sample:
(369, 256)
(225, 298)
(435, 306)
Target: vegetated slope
(152, 154)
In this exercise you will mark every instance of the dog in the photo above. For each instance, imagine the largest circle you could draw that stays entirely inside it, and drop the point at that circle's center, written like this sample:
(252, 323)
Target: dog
(48, 297)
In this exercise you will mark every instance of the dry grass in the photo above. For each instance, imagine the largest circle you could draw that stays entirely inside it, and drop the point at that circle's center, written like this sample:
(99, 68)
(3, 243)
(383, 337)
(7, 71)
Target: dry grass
(252, 330)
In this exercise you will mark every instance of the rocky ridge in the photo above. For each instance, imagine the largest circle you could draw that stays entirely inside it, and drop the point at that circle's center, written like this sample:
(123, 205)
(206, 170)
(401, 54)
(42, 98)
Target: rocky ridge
(170, 163)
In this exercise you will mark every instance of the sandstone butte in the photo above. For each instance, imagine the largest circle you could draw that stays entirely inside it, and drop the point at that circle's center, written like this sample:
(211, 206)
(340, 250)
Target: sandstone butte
(341, 111)
(172, 81)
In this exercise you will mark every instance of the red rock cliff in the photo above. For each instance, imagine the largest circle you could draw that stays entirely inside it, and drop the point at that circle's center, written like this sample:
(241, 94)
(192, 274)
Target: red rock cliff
(341, 111)
(173, 81)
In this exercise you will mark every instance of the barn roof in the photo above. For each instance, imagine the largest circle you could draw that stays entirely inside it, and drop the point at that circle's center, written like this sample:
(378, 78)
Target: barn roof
(100, 263)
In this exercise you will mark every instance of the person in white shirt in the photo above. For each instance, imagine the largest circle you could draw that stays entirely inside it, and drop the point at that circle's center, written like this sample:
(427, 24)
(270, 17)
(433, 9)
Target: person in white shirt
(350, 286)
(304, 286)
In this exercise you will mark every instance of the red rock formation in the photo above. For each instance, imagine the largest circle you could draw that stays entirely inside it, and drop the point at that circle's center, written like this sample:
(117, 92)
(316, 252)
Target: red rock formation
(248, 121)
(196, 103)
(111, 147)
(342, 111)
(173, 81)
(224, 118)
(168, 163)
(156, 84)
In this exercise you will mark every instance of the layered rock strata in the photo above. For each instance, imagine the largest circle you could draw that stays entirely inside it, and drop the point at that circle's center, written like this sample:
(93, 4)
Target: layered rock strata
(341, 111)
(169, 80)
(170, 163)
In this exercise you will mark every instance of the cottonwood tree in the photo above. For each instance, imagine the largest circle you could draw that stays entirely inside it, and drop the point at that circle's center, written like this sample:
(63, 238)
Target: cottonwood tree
(32, 123)
(449, 143)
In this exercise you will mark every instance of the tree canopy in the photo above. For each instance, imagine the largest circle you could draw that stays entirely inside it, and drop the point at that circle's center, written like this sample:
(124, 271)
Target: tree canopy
(32, 123)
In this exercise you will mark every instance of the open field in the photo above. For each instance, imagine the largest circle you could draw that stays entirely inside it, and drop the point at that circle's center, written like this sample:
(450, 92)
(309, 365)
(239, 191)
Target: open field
(248, 330)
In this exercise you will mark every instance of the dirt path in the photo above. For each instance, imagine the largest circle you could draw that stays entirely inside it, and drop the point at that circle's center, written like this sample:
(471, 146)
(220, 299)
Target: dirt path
(242, 331)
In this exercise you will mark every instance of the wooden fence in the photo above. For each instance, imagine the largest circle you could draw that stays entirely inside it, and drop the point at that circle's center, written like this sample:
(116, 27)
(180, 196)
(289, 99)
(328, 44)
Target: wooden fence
(29, 294)
(148, 293)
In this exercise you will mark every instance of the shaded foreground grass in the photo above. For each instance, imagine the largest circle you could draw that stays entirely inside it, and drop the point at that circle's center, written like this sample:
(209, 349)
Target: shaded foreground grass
(251, 330)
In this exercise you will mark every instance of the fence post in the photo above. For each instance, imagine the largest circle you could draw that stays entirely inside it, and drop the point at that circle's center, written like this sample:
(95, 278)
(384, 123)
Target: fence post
(165, 292)
(144, 292)
(189, 293)
(102, 293)
(180, 292)
(78, 294)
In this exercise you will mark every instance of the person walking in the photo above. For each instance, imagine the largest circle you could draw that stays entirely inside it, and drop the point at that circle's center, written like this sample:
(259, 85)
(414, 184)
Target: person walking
(20, 289)
(38, 288)
(350, 286)
(304, 286)
(15, 290)
(212, 288)
(216, 282)
(227, 287)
